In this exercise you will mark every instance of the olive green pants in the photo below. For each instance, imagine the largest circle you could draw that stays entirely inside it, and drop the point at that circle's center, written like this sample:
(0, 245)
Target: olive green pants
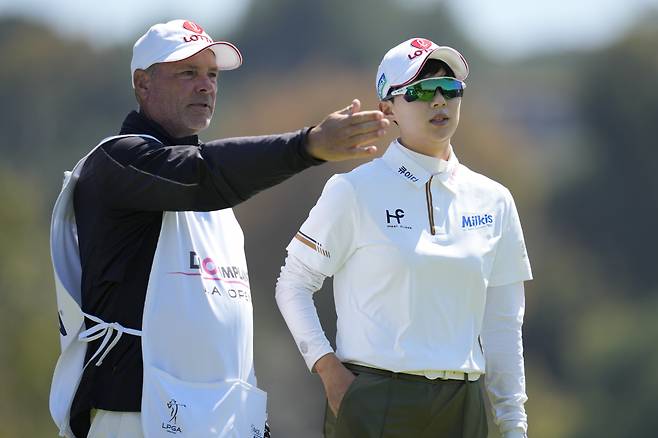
(380, 406)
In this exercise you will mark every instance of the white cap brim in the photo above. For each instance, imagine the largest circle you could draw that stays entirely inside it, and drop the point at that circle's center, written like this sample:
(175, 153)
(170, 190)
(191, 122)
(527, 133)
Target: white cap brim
(450, 56)
(227, 56)
(453, 58)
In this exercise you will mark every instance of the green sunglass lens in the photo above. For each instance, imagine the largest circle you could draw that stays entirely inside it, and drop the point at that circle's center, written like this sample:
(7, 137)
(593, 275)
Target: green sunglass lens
(412, 94)
(425, 90)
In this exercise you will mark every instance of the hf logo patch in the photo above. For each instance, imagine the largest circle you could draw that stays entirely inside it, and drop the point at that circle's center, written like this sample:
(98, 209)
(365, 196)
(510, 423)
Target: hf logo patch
(399, 214)
(393, 220)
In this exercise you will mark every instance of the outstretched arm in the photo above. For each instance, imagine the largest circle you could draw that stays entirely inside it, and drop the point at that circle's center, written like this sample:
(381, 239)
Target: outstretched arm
(347, 134)
(140, 173)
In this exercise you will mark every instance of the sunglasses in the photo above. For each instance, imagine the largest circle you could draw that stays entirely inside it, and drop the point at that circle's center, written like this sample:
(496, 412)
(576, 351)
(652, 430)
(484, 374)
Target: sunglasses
(425, 89)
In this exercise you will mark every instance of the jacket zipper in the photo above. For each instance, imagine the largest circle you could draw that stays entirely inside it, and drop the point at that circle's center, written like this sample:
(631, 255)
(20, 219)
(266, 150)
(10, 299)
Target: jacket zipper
(430, 208)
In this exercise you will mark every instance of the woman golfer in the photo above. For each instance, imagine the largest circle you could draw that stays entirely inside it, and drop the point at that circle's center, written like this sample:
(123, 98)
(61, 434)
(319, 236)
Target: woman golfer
(428, 260)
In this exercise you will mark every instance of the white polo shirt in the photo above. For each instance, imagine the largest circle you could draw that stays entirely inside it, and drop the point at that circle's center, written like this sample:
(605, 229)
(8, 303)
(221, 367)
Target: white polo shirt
(412, 251)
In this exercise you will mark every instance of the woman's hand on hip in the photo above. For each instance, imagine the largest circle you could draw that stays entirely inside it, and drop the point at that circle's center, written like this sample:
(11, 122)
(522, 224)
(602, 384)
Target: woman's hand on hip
(335, 378)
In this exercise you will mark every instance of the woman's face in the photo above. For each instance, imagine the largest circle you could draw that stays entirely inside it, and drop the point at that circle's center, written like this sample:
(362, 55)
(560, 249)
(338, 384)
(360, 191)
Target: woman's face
(425, 127)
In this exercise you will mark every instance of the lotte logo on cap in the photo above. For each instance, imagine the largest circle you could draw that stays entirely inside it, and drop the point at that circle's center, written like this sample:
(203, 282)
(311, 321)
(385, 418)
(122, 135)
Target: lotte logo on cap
(193, 27)
(422, 46)
(421, 43)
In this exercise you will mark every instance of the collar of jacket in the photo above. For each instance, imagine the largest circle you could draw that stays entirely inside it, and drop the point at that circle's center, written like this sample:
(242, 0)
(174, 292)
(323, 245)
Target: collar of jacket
(138, 123)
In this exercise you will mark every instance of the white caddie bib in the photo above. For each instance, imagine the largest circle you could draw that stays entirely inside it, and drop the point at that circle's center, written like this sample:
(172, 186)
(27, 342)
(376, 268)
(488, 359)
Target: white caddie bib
(197, 331)
(65, 256)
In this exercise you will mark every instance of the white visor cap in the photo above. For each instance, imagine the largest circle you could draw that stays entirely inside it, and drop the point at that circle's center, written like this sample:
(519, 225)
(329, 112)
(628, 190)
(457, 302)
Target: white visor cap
(177, 40)
(403, 62)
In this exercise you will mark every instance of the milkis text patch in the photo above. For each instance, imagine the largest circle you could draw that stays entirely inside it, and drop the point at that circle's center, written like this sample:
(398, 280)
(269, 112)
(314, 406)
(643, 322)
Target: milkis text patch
(473, 221)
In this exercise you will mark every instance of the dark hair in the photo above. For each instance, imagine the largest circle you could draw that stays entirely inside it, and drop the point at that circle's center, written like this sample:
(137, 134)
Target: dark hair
(431, 67)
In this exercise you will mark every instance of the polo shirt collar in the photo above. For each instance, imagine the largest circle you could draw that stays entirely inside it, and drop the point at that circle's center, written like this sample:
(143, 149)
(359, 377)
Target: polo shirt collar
(417, 168)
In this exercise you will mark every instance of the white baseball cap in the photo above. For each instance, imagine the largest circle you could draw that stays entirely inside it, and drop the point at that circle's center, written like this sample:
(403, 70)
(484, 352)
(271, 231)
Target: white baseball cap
(403, 62)
(177, 40)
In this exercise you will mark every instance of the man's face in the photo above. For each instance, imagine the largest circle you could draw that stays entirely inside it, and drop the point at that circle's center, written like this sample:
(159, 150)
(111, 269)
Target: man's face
(425, 126)
(180, 96)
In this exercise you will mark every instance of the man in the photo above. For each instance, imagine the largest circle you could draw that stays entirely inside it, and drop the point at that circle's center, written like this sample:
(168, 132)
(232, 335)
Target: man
(145, 245)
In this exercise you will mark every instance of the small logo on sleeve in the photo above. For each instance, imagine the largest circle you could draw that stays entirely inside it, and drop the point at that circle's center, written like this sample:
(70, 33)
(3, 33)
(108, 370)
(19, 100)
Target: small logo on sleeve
(474, 221)
(381, 83)
(313, 244)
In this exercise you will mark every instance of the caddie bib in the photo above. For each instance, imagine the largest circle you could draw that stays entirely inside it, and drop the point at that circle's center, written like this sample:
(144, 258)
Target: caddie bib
(65, 256)
(197, 332)
(197, 326)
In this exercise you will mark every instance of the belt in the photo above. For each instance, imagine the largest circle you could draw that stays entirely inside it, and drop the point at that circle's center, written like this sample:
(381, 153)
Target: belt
(440, 375)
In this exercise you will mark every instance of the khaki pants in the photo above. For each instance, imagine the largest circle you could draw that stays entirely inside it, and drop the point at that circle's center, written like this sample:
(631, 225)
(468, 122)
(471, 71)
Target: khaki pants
(379, 406)
(108, 424)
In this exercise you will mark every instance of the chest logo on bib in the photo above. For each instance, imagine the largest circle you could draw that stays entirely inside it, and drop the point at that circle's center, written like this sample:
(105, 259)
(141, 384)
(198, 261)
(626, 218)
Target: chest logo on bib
(475, 221)
(209, 270)
(230, 281)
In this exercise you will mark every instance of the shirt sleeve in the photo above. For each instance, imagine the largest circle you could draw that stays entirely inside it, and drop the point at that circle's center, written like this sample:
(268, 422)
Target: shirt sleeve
(511, 263)
(327, 238)
(137, 173)
(503, 351)
(294, 295)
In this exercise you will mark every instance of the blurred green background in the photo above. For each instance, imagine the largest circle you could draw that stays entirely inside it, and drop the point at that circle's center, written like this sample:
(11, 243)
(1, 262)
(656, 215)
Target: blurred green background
(572, 130)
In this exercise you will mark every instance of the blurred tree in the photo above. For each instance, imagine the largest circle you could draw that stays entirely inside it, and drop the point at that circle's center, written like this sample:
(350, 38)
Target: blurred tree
(617, 195)
(60, 97)
(610, 330)
(28, 316)
(287, 33)
(615, 339)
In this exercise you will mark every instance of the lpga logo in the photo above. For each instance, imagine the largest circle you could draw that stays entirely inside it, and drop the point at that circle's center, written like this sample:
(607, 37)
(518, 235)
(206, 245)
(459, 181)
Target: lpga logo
(171, 425)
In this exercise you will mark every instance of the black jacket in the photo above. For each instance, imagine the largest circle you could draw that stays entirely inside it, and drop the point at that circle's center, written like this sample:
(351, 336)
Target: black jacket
(124, 187)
